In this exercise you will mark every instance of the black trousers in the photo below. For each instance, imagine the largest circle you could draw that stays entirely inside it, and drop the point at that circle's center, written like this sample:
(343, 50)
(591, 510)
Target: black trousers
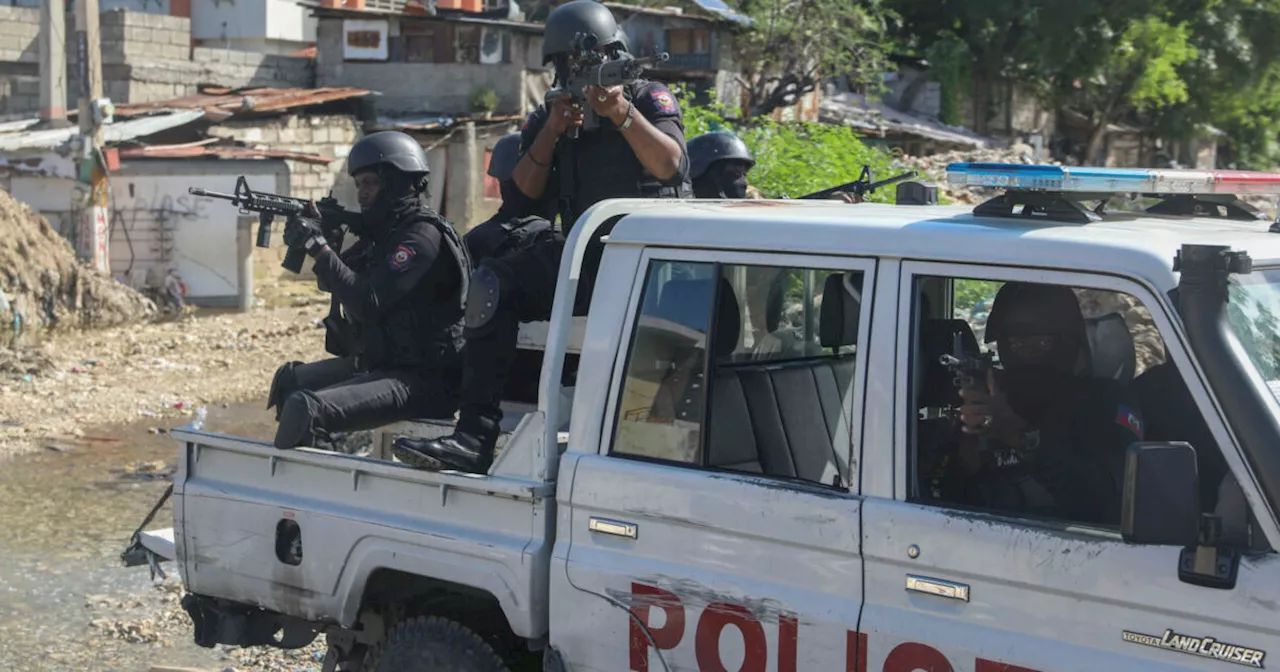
(331, 396)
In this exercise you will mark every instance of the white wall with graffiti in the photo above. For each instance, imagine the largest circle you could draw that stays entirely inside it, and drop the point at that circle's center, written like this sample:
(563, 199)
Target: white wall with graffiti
(156, 225)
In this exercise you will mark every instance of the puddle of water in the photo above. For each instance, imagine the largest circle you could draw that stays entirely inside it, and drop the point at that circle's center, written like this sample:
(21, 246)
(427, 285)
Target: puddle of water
(64, 519)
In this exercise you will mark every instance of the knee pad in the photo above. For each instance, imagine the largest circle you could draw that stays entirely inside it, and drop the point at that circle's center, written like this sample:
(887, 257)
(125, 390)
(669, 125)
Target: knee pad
(484, 298)
(297, 421)
(283, 384)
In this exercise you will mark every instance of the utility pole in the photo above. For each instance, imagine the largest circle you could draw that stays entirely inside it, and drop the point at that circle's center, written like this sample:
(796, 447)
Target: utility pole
(53, 64)
(92, 238)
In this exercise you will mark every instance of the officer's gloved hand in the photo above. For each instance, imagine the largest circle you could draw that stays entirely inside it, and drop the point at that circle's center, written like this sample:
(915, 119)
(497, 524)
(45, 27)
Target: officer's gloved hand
(305, 232)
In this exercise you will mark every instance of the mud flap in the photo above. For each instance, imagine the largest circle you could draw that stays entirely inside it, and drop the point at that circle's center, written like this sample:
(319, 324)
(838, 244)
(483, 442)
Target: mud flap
(220, 622)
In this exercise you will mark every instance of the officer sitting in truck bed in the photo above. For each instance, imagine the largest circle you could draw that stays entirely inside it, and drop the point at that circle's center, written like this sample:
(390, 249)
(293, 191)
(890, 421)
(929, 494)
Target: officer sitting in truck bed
(1055, 438)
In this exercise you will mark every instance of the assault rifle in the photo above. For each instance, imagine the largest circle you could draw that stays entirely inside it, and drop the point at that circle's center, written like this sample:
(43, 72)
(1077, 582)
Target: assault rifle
(968, 371)
(269, 206)
(592, 69)
(861, 186)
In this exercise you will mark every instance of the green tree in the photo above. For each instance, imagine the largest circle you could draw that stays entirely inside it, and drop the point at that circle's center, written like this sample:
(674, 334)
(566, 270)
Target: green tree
(791, 44)
(794, 158)
(986, 43)
(1138, 71)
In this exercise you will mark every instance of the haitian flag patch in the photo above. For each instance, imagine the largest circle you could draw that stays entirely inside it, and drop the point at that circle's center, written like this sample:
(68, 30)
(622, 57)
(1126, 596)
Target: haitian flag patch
(664, 101)
(1129, 420)
(401, 257)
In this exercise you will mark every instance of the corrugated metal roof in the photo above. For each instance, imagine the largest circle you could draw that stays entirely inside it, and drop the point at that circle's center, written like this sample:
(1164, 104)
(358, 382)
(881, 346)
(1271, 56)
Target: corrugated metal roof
(856, 111)
(716, 15)
(719, 8)
(199, 150)
(229, 102)
(339, 12)
(114, 132)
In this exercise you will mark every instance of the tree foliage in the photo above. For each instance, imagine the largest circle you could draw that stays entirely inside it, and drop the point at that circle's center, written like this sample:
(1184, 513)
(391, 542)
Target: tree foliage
(795, 158)
(792, 44)
(1177, 66)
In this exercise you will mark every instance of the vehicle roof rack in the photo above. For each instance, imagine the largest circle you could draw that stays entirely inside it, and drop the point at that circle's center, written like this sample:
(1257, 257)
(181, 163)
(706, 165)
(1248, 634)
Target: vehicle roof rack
(1057, 193)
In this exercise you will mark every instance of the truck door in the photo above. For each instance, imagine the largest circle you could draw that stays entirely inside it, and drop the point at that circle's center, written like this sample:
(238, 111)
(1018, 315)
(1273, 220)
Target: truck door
(970, 567)
(716, 526)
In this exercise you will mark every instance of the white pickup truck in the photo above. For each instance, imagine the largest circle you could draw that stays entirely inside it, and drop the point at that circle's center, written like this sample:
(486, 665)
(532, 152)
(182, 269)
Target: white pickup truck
(747, 473)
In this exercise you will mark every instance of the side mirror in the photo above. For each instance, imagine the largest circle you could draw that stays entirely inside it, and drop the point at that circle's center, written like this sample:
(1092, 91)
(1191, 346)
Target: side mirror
(1161, 503)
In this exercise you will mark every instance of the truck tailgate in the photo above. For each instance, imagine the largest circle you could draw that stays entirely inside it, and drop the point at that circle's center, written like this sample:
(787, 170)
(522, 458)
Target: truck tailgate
(301, 531)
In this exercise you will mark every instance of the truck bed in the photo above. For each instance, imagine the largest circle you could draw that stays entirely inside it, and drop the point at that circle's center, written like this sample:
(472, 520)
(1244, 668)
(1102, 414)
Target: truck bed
(238, 503)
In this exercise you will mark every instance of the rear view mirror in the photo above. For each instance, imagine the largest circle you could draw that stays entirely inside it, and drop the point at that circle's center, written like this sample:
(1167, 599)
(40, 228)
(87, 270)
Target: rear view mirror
(1161, 504)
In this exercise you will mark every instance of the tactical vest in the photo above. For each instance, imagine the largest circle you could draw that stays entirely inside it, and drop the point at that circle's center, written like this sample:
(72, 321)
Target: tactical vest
(602, 165)
(504, 234)
(425, 330)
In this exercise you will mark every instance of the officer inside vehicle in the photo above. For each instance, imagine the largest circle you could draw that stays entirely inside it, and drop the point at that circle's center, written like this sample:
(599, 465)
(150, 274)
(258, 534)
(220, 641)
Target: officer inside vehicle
(1044, 438)
(513, 227)
(402, 289)
(718, 165)
(637, 151)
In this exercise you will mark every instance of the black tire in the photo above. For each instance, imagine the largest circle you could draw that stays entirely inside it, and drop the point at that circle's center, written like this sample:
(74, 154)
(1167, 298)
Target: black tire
(433, 644)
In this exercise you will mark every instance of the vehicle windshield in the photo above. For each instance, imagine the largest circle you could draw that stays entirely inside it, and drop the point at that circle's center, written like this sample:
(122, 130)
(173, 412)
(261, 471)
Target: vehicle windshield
(1253, 311)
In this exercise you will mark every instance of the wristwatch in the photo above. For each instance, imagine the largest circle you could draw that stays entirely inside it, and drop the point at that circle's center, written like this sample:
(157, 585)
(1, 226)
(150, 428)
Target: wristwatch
(631, 113)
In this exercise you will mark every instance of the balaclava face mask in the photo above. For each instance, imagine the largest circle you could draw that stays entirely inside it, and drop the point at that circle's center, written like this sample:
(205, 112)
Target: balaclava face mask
(724, 179)
(399, 193)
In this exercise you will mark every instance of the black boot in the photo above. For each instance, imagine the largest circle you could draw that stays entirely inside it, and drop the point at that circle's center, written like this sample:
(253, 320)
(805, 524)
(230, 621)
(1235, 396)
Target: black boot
(459, 451)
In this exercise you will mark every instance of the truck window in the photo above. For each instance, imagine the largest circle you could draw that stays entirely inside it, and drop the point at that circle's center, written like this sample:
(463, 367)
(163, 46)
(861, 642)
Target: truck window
(743, 368)
(1043, 427)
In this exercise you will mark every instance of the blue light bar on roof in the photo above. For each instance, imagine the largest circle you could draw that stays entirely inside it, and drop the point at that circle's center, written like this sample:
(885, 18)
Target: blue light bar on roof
(1093, 179)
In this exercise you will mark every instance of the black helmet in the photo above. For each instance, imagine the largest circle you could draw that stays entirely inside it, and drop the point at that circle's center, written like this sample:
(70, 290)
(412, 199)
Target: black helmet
(708, 148)
(506, 152)
(581, 24)
(393, 148)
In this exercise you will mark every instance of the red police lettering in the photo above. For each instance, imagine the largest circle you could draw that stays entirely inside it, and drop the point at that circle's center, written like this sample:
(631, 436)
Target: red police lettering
(667, 637)
(855, 652)
(715, 618)
(912, 656)
(788, 634)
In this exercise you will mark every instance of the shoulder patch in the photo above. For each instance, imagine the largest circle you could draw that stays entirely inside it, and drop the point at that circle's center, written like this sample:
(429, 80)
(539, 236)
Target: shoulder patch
(401, 257)
(1125, 417)
(664, 101)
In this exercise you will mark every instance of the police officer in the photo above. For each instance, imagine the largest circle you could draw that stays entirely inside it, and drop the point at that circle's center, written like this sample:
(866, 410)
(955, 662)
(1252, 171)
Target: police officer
(1055, 437)
(514, 227)
(637, 151)
(402, 288)
(718, 165)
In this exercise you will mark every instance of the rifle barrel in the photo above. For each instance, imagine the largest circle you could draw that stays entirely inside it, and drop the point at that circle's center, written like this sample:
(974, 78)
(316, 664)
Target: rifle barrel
(197, 191)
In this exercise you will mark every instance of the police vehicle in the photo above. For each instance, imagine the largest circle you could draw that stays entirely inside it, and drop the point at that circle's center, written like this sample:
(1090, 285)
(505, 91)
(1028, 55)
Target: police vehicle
(741, 475)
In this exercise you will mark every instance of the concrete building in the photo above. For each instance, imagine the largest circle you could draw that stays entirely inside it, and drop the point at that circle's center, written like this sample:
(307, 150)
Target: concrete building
(146, 56)
(432, 64)
(699, 42)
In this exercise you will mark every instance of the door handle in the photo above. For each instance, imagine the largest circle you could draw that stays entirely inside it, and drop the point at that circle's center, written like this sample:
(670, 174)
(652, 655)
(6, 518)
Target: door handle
(939, 587)
(617, 528)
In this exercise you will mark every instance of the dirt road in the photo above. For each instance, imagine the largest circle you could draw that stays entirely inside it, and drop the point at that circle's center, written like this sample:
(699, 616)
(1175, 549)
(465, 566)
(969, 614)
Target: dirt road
(159, 371)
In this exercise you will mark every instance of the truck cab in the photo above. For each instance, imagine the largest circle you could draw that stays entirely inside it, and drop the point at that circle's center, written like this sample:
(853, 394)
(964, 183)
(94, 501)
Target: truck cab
(756, 466)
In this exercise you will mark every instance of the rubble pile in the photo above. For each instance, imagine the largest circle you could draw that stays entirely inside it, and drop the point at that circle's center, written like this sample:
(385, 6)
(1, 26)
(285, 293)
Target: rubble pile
(933, 168)
(1147, 343)
(42, 284)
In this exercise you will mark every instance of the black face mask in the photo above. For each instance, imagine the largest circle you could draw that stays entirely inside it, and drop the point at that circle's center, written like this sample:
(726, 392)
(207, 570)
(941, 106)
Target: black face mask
(1031, 384)
(718, 182)
(398, 194)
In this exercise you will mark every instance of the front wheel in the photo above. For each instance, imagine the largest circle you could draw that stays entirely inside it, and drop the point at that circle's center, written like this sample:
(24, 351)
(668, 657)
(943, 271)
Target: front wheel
(433, 644)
